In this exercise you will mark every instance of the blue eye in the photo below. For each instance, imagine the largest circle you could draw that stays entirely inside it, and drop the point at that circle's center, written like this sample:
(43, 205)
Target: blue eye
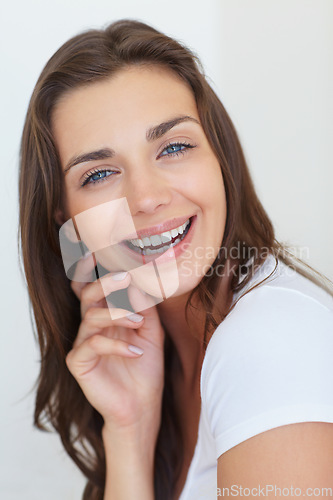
(175, 149)
(96, 176)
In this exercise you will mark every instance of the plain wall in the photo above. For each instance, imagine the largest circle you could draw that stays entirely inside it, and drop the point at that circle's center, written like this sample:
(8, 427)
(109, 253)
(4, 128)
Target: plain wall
(271, 64)
(275, 79)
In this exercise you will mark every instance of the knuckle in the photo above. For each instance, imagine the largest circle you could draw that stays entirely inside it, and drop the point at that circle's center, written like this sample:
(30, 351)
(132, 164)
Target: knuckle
(90, 314)
(85, 292)
(74, 287)
(93, 342)
(69, 359)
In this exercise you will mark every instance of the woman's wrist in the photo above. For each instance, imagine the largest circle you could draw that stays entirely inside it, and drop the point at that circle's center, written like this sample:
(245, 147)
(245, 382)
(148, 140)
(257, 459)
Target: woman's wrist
(129, 464)
(132, 440)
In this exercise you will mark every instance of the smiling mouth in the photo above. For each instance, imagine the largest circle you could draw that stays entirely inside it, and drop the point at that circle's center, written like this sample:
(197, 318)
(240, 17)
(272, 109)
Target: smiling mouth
(159, 243)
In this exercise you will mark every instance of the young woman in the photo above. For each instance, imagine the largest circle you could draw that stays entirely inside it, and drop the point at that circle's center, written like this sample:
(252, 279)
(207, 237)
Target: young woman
(140, 402)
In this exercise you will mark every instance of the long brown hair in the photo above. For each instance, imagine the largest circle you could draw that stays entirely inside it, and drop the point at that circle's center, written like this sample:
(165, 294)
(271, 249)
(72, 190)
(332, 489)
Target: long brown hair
(86, 58)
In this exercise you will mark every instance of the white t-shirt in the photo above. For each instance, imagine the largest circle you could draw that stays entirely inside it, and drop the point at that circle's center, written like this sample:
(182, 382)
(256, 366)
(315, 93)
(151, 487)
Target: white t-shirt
(269, 363)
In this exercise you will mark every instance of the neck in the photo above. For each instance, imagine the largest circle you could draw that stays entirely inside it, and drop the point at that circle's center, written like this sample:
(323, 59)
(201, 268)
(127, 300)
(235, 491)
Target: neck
(188, 340)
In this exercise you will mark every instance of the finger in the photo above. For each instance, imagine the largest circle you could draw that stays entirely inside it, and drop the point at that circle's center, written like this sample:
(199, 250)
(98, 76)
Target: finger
(94, 292)
(151, 328)
(83, 273)
(97, 319)
(85, 357)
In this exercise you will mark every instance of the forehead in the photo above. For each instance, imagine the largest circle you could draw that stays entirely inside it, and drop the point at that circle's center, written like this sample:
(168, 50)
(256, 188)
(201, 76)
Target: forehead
(148, 93)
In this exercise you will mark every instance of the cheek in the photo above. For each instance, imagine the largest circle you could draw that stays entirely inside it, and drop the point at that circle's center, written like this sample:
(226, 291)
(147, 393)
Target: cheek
(214, 206)
(99, 224)
(79, 200)
(72, 200)
(216, 192)
(207, 187)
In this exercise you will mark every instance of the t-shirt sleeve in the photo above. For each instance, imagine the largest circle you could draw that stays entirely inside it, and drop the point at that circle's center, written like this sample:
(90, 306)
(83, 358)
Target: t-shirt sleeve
(269, 363)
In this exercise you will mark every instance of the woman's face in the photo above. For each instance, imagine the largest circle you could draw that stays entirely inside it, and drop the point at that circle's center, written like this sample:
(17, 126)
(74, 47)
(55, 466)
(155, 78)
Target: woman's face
(138, 164)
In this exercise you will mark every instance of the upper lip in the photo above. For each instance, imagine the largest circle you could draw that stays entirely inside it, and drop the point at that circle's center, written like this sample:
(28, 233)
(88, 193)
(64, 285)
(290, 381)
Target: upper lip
(159, 228)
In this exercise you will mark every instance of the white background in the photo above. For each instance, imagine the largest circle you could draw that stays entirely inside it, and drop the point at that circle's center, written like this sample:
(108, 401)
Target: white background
(270, 62)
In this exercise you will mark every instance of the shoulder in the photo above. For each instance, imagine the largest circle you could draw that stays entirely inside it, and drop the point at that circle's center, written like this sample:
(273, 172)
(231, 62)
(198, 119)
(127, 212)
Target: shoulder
(284, 308)
(272, 312)
(269, 362)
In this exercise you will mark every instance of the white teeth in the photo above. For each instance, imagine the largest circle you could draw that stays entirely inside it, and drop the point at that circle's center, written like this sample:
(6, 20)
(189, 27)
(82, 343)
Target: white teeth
(166, 236)
(138, 243)
(158, 239)
(148, 251)
(155, 240)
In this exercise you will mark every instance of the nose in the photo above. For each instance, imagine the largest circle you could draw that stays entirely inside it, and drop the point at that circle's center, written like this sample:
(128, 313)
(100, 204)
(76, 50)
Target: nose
(147, 190)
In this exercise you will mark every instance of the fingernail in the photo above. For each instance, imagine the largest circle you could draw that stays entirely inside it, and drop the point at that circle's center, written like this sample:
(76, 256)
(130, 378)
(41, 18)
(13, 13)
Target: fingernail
(119, 276)
(135, 349)
(134, 317)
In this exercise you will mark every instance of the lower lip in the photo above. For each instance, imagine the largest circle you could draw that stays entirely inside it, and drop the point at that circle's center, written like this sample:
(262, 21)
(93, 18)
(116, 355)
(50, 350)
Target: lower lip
(172, 253)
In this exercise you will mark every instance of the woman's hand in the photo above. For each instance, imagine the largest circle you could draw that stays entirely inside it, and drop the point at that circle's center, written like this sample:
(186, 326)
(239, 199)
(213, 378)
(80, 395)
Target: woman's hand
(123, 386)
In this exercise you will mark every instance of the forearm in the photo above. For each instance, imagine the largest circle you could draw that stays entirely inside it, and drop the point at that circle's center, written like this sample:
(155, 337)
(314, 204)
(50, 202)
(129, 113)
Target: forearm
(129, 466)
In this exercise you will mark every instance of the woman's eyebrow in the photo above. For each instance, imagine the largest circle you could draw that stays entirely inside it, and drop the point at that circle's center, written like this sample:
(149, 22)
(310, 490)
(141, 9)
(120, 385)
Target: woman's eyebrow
(159, 130)
(100, 154)
(152, 134)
